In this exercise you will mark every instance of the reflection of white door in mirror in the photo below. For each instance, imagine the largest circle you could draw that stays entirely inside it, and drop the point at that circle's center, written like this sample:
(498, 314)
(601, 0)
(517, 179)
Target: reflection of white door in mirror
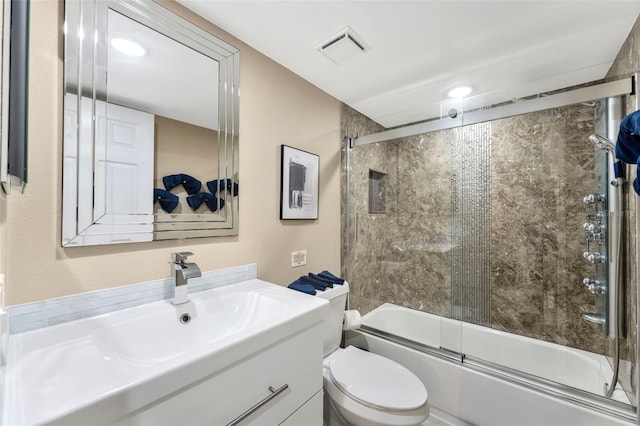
(122, 175)
(128, 165)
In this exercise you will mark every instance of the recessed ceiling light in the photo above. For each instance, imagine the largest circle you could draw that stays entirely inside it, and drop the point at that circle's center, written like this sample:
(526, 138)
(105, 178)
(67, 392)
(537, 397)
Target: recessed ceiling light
(459, 91)
(128, 47)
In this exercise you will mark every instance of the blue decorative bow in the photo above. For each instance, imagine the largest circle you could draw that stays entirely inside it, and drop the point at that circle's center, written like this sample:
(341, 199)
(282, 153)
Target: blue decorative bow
(191, 184)
(222, 184)
(196, 200)
(168, 201)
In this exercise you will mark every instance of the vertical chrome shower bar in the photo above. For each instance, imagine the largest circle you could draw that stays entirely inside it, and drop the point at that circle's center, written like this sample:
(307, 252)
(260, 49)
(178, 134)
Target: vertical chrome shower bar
(615, 113)
(636, 107)
(348, 144)
(615, 239)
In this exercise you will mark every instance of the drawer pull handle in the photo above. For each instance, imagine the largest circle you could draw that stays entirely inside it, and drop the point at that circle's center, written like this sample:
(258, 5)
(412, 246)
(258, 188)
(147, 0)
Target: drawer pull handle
(250, 411)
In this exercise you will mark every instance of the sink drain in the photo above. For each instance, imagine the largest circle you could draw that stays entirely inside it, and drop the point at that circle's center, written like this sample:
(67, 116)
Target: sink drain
(185, 318)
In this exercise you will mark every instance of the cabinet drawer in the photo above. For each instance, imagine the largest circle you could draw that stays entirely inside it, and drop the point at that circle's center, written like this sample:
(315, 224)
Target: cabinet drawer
(219, 399)
(310, 414)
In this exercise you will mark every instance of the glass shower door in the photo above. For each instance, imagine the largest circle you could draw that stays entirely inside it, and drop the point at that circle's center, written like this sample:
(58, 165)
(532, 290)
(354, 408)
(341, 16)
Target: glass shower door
(400, 236)
(537, 238)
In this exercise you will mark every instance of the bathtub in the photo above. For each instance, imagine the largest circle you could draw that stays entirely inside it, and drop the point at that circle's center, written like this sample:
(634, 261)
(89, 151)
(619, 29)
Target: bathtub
(465, 394)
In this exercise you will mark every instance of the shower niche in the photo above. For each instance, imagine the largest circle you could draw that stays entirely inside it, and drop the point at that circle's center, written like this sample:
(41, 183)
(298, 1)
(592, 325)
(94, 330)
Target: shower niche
(377, 192)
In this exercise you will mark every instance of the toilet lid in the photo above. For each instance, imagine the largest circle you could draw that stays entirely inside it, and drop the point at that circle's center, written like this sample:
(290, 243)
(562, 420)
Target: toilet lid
(376, 381)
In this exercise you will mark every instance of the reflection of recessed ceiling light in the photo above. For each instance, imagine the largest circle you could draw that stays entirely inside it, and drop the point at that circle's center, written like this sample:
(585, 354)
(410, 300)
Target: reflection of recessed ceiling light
(459, 92)
(128, 47)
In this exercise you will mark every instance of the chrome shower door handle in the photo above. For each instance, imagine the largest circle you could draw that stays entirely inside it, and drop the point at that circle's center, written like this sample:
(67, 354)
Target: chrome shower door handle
(262, 403)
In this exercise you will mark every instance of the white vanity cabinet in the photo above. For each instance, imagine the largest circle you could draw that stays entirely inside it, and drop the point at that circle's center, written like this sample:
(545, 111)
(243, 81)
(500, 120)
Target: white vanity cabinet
(225, 396)
(142, 366)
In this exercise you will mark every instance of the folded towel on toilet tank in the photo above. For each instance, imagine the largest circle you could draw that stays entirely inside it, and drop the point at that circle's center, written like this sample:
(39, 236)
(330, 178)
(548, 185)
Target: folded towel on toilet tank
(328, 275)
(317, 284)
(305, 288)
(328, 282)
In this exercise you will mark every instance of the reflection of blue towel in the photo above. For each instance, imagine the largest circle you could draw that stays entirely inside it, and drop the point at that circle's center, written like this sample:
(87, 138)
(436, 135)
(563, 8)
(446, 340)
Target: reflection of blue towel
(328, 283)
(328, 275)
(317, 284)
(167, 200)
(191, 184)
(222, 184)
(628, 144)
(196, 200)
(305, 288)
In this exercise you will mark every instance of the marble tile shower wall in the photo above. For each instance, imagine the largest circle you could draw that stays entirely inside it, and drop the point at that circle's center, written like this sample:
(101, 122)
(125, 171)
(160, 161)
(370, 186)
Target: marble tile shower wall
(373, 233)
(422, 245)
(541, 166)
(366, 242)
(396, 256)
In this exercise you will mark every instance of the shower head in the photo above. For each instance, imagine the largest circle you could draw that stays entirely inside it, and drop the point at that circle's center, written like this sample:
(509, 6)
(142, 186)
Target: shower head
(602, 143)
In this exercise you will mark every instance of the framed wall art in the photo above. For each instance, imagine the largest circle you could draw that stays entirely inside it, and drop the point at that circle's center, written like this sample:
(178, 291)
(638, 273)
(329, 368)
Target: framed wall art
(299, 184)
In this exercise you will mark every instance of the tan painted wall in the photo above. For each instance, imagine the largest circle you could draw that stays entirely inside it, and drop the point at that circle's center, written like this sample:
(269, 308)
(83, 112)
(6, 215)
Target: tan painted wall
(276, 107)
(3, 203)
(184, 148)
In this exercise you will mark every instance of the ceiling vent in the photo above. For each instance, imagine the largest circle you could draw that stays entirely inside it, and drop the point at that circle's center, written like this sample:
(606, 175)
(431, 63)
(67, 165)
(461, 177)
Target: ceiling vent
(343, 46)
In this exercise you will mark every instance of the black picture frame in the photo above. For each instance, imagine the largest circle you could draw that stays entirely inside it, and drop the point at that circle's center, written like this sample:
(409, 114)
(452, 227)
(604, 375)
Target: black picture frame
(15, 77)
(299, 184)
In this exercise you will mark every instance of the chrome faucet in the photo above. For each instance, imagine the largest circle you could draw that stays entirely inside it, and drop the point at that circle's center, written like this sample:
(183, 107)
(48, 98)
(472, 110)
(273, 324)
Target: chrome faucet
(182, 271)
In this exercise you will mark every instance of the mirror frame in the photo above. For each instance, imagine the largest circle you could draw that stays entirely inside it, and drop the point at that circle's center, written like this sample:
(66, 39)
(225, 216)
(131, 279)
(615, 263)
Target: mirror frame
(85, 74)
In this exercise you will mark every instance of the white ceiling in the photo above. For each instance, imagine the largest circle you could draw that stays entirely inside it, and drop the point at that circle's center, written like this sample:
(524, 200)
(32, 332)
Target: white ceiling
(420, 49)
(171, 80)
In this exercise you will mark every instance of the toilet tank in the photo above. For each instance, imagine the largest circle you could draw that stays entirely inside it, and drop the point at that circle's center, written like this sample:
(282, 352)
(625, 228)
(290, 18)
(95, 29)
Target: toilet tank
(332, 324)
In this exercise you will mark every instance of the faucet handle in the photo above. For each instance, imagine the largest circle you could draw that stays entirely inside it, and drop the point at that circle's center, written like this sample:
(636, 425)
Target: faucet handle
(181, 256)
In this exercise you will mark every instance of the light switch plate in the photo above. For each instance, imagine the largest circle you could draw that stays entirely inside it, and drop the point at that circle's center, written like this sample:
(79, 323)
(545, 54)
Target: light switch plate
(298, 258)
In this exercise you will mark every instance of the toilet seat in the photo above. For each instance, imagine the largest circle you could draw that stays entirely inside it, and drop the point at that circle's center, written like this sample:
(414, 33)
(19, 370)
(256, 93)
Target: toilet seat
(361, 406)
(376, 381)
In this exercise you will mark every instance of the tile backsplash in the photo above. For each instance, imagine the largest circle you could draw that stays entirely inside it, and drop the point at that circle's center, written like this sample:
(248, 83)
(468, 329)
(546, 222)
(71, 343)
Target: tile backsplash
(31, 316)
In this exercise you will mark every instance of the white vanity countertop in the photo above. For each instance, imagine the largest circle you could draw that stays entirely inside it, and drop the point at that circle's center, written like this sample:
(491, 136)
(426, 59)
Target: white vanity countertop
(102, 368)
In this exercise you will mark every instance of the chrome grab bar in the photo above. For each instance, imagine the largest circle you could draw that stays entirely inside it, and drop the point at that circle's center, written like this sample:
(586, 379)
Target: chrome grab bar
(250, 411)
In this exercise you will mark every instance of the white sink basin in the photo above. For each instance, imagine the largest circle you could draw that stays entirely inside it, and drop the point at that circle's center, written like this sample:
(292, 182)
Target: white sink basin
(109, 365)
(159, 334)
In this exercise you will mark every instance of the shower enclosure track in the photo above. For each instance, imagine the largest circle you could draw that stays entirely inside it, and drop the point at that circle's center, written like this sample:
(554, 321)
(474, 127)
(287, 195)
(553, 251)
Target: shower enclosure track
(585, 94)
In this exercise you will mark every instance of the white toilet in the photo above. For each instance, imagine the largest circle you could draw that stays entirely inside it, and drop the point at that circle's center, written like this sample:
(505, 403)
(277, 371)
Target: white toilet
(363, 388)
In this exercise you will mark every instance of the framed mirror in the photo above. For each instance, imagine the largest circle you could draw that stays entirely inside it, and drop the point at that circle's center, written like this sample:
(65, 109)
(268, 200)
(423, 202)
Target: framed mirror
(150, 126)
